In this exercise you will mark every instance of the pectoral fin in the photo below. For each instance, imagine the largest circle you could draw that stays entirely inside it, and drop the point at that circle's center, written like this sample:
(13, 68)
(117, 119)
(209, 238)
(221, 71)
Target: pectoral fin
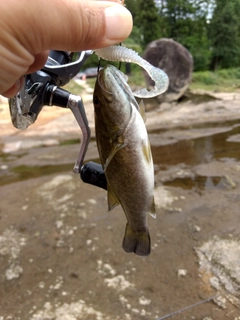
(146, 148)
(112, 199)
(114, 150)
(142, 110)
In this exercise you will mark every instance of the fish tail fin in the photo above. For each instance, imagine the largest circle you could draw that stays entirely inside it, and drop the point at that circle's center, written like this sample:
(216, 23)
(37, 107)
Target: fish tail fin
(137, 242)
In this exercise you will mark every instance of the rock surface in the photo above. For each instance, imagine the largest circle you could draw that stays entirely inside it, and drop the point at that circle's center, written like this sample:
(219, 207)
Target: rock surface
(60, 251)
(176, 61)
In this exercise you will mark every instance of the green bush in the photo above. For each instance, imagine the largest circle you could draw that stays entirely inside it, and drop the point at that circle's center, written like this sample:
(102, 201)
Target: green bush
(205, 77)
(220, 80)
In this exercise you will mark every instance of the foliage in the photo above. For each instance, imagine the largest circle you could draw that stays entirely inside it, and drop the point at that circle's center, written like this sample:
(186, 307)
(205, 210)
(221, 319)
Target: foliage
(209, 29)
(146, 19)
(224, 34)
(74, 87)
(185, 22)
(224, 80)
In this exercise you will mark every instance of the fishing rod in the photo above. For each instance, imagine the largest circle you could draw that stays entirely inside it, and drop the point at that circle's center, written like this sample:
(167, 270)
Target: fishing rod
(187, 308)
(43, 88)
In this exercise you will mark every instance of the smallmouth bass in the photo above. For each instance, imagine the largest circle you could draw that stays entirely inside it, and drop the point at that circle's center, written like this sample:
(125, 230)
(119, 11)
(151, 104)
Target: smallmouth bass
(125, 154)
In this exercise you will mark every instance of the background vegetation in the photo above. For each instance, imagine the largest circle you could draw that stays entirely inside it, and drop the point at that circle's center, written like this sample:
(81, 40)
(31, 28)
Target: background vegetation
(210, 29)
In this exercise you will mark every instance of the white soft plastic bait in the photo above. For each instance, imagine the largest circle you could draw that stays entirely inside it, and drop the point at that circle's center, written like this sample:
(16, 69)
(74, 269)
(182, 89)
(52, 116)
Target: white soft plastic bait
(123, 54)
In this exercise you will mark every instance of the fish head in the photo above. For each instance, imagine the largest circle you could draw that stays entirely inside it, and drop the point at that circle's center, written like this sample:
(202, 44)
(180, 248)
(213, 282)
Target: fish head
(113, 99)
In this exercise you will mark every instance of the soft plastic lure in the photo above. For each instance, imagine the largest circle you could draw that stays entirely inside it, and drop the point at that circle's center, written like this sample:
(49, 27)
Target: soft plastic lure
(123, 54)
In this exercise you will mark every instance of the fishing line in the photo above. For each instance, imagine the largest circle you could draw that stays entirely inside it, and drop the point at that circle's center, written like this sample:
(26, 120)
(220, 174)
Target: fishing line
(187, 308)
(120, 62)
(99, 64)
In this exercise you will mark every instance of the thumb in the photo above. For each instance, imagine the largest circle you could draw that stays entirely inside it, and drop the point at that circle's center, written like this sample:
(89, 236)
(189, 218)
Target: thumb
(30, 28)
(71, 25)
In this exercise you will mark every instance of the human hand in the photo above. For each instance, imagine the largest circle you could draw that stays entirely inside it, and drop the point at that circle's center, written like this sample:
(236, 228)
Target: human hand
(30, 28)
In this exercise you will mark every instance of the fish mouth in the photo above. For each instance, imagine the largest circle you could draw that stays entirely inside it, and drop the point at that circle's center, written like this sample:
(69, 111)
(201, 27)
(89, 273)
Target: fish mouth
(102, 80)
(110, 79)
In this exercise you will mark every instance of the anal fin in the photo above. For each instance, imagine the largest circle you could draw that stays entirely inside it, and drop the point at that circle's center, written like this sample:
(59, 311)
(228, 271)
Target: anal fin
(152, 211)
(112, 199)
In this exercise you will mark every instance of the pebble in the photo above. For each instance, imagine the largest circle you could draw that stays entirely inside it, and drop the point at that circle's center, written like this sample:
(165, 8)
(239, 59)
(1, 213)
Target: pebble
(197, 228)
(144, 301)
(88, 242)
(14, 271)
(182, 272)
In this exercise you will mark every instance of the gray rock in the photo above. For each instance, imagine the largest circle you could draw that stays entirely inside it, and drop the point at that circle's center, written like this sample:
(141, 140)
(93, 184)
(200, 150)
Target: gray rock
(176, 61)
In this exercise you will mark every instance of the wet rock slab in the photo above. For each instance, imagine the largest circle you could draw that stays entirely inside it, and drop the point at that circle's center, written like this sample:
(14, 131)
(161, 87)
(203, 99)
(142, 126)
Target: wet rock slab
(220, 257)
(60, 250)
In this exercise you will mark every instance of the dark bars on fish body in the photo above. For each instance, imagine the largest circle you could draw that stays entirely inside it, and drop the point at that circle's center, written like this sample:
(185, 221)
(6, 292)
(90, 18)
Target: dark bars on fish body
(92, 173)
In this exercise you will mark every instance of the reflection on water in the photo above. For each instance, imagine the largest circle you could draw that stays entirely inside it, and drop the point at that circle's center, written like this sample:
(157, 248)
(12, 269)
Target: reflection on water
(24, 172)
(211, 145)
(199, 150)
(200, 183)
(192, 152)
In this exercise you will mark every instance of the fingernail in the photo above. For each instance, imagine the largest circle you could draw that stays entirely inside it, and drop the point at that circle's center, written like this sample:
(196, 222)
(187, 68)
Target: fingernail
(118, 23)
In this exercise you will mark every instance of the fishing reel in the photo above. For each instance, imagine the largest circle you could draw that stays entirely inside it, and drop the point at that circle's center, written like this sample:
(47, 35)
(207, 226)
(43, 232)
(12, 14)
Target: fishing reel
(43, 88)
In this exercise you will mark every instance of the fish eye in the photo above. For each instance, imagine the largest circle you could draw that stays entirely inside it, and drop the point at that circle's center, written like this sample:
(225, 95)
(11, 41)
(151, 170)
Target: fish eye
(95, 100)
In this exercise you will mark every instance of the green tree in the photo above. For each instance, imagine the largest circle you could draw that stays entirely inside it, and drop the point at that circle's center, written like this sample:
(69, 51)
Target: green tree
(148, 21)
(224, 34)
(136, 35)
(186, 22)
(132, 6)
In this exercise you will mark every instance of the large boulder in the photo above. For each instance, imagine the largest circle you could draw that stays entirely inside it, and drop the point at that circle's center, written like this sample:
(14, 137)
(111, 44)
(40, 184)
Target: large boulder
(176, 61)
